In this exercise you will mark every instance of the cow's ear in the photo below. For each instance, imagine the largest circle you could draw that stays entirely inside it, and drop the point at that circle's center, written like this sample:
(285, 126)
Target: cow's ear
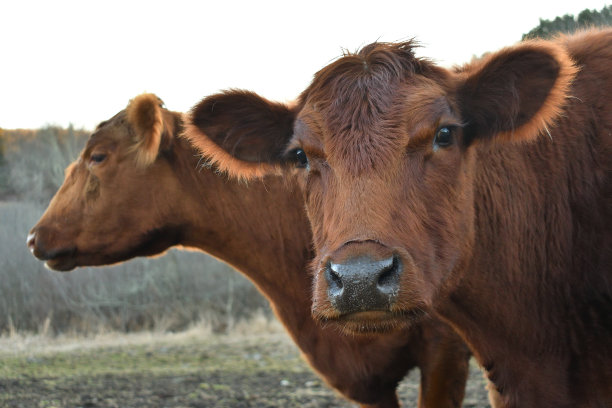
(241, 132)
(145, 114)
(516, 93)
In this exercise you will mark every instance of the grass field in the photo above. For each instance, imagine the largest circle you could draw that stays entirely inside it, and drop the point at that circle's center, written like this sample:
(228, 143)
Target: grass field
(250, 367)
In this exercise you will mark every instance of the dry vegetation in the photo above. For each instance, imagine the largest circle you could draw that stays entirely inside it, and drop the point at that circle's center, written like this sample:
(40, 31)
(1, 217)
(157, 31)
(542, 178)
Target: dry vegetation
(254, 365)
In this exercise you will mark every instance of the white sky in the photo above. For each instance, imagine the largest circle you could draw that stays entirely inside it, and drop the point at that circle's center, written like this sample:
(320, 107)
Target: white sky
(81, 61)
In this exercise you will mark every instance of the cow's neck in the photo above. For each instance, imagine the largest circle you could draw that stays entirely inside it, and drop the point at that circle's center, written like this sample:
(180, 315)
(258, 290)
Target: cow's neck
(261, 229)
(258, 227)
(536, 251)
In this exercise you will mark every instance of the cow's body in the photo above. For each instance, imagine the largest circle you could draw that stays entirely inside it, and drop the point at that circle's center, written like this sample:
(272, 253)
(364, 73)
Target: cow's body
(483, 194)
(138, 189)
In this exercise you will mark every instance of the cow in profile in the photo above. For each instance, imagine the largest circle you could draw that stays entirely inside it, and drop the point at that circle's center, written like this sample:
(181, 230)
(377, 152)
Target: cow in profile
(482, 194)
(138, 189)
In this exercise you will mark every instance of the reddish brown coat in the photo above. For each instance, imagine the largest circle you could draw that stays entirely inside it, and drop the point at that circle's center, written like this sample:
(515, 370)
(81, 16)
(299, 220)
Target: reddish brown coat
(487, 187)
(138, 189)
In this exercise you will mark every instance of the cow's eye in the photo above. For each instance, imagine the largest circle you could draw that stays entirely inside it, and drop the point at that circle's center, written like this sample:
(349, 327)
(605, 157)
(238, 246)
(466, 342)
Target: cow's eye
(443, 138)
(299, 157)
(97, 157)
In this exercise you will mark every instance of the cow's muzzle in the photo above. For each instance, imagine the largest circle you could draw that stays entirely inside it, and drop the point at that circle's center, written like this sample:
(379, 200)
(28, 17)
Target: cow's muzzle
(363, 283)
(44, 247)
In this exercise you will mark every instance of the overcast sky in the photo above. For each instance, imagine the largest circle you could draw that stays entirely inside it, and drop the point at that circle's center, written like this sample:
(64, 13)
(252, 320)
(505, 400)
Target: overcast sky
(80, 62)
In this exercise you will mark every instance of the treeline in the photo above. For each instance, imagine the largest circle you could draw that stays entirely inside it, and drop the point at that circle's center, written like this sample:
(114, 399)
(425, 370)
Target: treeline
(167, 293)
(568, 23)
(32, 162)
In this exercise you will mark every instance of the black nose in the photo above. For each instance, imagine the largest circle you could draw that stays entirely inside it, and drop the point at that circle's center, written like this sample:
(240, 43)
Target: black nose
(363, 284)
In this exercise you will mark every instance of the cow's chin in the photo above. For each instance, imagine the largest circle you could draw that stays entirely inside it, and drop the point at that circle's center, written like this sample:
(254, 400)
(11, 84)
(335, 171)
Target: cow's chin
(61, 264)
(372, 322)
(78, 259)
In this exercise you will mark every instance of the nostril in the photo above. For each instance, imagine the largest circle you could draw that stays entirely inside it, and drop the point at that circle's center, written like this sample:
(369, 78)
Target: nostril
(31, 241)
(388, 276)
(334, 279)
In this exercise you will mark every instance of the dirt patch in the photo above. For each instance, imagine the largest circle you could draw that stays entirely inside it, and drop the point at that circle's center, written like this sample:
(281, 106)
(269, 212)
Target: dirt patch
(262, 370)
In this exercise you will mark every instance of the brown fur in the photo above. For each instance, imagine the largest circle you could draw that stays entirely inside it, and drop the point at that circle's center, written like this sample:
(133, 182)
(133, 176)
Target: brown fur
(506, 233)
(260, 229)
(145, 115)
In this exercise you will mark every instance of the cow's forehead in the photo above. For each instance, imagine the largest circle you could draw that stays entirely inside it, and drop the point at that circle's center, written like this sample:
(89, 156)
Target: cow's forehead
(362, 128)
(363, 95)
(112, 130)
(425, 106)
(422, 100)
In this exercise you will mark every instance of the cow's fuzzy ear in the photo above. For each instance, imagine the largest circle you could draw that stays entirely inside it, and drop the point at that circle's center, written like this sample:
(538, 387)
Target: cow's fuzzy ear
(516, 93)
(144, 113)
(241, 132)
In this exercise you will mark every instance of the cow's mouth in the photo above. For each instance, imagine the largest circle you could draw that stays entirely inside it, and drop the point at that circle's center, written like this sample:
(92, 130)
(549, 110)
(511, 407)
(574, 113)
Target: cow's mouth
(63, 259)
(371, 322)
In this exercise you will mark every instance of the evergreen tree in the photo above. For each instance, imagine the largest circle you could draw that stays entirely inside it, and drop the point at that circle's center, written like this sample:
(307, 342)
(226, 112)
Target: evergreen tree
(568, 23)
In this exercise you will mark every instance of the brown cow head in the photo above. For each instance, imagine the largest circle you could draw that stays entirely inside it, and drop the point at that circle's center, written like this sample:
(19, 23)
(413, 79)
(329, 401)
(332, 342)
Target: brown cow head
(106, 210)
(384, 144)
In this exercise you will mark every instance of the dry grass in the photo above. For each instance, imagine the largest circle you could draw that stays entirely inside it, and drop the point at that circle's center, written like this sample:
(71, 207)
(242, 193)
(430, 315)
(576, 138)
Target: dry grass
(260, 325)
(254, 365)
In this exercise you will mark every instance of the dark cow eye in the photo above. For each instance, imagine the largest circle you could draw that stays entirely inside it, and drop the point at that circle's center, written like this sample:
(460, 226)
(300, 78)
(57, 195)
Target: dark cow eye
(443, 138)
(97, 158)
(300, 158)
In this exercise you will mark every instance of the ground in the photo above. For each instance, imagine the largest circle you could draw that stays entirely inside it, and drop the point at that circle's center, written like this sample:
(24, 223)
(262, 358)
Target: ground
(191, 369)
